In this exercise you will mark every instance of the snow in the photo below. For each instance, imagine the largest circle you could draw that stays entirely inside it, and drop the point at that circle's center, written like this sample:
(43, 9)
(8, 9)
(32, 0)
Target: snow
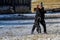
(23, 27)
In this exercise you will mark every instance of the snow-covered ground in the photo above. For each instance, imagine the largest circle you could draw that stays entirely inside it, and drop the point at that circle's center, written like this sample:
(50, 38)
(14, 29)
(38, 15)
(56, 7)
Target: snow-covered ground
(23, 27)
(27, 16)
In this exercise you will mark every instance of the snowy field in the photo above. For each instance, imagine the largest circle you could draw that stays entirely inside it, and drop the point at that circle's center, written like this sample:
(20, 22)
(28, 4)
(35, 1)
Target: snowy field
(23, 27)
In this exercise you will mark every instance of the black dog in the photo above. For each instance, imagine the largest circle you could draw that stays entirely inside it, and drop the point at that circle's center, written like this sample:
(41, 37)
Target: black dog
(36, 25)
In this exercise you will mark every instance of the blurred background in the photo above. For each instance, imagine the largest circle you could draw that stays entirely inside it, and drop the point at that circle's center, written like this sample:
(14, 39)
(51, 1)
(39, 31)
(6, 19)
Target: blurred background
(19, 6)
